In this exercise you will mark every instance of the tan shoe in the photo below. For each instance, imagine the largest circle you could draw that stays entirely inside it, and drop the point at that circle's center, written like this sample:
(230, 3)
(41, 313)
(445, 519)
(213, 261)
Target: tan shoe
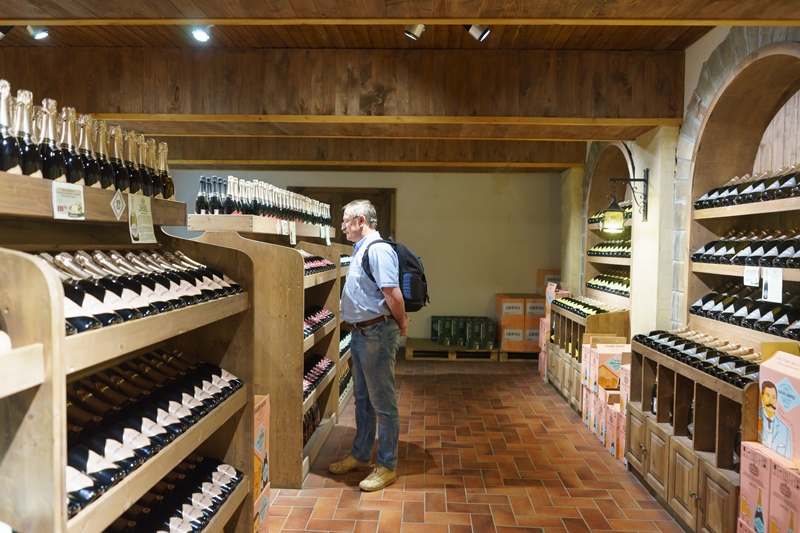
(379, 478)
(347, 464)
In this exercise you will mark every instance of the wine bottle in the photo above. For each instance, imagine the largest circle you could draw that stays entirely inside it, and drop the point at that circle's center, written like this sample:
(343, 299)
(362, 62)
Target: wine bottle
(214, 205)
(698, 305)
(10, 156)
(74, 165)
(85, 312)
(154, 283)
(122, 179)
(150, 428)
(128, 156)
(108, 179)
(114, 452)
(715, 299)
(150, 164)
(173, 282)
(779, 317)
(140, 164)
(104, 473)
(744, 189)
(81, 489)
(201, 202)
(690, 425)
(185, 282)
(760, 248)
(91, 167)
(163, 168)
(30, 160)
(773, 186)
(786, 188)
(710, 246)
(761, 184)
(218, 277)
(130, 291)
(776, 247)
(762, 308)
(727, 195)
(715, 311)
(53, 165)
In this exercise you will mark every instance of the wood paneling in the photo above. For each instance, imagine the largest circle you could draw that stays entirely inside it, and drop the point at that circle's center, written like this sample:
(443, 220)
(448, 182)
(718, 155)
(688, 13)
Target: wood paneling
(354, 82)
(510, 37)
(780, 145)
(592, 11)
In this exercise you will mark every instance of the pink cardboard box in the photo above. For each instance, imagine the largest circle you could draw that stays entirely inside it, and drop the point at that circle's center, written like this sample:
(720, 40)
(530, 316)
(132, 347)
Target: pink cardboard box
(544, 333)
(621, 432)
(600, 418)
(607, 362)
(261, 514)
(585, 410)
(784, 504)
(612, 424)
(543, 365)
(741, 527)
(586, 354)
(756, 470)
(779, 412)
(624, 386)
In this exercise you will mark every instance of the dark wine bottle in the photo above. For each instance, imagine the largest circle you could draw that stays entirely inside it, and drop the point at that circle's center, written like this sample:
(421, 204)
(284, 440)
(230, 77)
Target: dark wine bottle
(698, 305)
(777, 319)
(53, 165)
(764, 309)
(654, 398)
(714, 312)
(91, 166)
(163, 169)
(776, 247)
(74, 164)
(761, 247)
(104, 473)
(141, 445)
(128, 156)
(201, 206)
(228, 206)
(140, 150)
(10, 156)
(214, 205)
(81, 489)
(108, 178)
(30, 160)
(114, 452)
(690, 425)
(122, 179)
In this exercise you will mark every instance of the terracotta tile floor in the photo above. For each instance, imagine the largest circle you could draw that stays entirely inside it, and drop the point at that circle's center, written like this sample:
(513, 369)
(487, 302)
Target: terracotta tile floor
(484, 447)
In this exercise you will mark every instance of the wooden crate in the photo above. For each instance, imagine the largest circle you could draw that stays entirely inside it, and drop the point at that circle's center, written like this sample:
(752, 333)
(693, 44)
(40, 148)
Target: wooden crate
(425, 350)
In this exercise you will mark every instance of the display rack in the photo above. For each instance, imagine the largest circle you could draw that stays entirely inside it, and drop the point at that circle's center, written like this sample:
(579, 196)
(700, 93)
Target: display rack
(33, 491)
(564, 350)
(279, 299)
(346, 357)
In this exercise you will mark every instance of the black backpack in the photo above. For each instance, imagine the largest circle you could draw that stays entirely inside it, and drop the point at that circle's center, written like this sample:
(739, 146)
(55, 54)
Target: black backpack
(411, 273)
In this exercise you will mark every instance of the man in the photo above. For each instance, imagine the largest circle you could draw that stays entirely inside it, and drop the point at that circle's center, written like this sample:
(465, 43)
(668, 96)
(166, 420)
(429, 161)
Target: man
(774, 434)
(376, 313)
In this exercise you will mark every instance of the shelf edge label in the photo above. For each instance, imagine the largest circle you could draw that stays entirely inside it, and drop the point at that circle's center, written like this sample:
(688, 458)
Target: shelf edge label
(140, 219)
(68, 203)
(752, 276)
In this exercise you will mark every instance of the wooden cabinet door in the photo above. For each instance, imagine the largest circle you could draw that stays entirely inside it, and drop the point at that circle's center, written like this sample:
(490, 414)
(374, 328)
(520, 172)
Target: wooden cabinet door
(577, 391)
(657, 456)
(719, 495)
(566, 378)
(634, 437)
(551, 364)
(682, 490)
(557, 367)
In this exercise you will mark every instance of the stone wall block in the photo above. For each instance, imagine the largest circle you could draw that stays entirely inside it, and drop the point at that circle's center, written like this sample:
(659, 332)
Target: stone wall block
(715, 64)
(764, 35)
(739, 36)
(678, 276)
(682, 193)
(678, 305)
(779, 34)
(685, 147)
(727, 56)
(682, 170)
(705, 89)
(678, 244)
(691, 126)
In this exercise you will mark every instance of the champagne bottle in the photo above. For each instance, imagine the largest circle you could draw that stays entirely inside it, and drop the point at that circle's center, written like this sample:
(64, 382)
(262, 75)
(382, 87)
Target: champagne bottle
(760, 248)
(744, 189)
(163, 169)
(185, 281)
(765, 311)
(150, 164)
(84, 306)
(81, 489)
(160, 287)
(107, 173)
(140, 164)
(698, 305)
(30, 160)
(228, 207)
(774, 186)
(654, 398)
(759, 187)
(128, 157)
(715, 299)
(742, 249)
(104, 473)
(201, 206)
(114, 452)
(776, 247)
(173, 282)
(10, 156)
(690, 425)
(777, 319)
(122, 179)
(708, 247)
(53, 165)
(214, 205)
(74, 164)
(91, 166)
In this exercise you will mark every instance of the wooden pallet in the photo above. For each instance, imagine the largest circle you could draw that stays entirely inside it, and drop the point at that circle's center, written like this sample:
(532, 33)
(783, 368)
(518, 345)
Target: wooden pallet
(519, 357)
(426, 350)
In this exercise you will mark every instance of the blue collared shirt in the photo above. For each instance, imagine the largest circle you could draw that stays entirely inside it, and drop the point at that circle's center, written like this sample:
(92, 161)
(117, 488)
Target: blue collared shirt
(362, 298)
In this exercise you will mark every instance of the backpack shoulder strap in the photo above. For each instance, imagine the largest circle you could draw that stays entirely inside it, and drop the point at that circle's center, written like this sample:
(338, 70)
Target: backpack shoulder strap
(365, 259)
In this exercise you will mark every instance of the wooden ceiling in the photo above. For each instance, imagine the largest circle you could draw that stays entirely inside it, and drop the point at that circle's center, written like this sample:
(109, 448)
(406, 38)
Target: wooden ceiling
(443, 37)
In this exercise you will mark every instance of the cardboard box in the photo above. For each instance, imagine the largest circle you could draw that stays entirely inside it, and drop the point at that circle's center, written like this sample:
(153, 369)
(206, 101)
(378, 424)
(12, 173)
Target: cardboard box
(261, 512)
(606, 398)
(488, 334)
(621, 432)
(261, 443)
(611, 440)
(592, 340)
(779, 412)
(754, 492)
(543, 365)
(510, 310)
(545, 277)
(585, 407)
(544, 333)
(741, 527)
(606, 362)
(436, 327)
(784, 501)
(512, 339)
(446, 331)
(600, 418)
(624, 386)
(552, 293)
(532, 339)
(459, 334)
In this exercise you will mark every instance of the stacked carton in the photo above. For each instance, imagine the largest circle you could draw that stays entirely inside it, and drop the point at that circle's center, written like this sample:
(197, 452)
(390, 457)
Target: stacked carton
(261, 461)
(472, 332)
(518, 317)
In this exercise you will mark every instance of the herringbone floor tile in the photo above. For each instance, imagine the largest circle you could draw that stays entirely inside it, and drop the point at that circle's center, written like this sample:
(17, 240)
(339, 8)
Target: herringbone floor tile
(484, 447)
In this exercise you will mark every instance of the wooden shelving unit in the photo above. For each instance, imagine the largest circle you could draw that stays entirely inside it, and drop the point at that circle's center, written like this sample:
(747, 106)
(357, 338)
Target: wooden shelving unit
(253, 224)
(278, 302)
(616, 261)
(760, 208)
(33, 404)
(788, 274)
(620, 302)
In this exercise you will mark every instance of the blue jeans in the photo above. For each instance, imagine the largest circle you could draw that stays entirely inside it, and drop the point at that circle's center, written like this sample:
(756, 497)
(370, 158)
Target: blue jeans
(373, 351)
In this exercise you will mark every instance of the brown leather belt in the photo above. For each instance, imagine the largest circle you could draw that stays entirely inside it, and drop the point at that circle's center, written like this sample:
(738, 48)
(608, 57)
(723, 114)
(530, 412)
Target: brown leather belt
(367, 323)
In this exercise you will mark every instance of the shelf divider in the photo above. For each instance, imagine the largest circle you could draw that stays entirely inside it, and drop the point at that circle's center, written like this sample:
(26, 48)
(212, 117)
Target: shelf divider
(600, 260)
(250, 224)
(789, 274)
(318, 279)
(758, 208)
(23, 368)
(319, 389)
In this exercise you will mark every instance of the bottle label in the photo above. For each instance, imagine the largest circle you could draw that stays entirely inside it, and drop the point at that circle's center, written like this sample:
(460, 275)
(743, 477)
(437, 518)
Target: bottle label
(115, 451)
(220, 479)
(131, 298)
(190, 401)
(94, 306)
(782, 320)
(759, 187)
(149, 294)
(151, 429)
(794, 326)
(775, 185)
(179, 525)
(15, 170)
(714, 195)
(709, 305)
(789, 252)
(71, 309)
(759, 251)
(203, 212)
(211, 388)
(766, 318)
(62, 177)
(219, 382)
(717, 307)
(227, 470)
(744, 253)
(228, 376)
(755, 315)
(187, 289)
(655, 405)
(722, 251)
(772, 253)
(166, 419)
(741, 312)
(134, 439)
(216, 211)
(211, 490)
(190, 513)
(96, 185)
(97, 463)
(76, 480)
(200, 394)
(201, 501)
(748, 190)
(178, 410)
(728, 310)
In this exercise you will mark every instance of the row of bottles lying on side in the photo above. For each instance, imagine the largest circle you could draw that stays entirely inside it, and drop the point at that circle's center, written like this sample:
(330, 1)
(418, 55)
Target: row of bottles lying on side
(119, 418)
(758, 187)
(311, 421)
(315, 318)
(344, 260)
(612, 248)
(315, 368)
(344, 341)
(722, 359)
(314, 264)
(106, 288)
(234, 196)
(345, 381)
(183, 501)
(762, 248)
(743, 306)
(42, 143)
(614, 282)
(627, 208)
(584, 306)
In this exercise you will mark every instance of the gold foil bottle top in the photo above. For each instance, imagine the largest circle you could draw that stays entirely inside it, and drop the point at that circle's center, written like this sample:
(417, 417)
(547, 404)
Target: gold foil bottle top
(85, 120)
(162, 148)
(68, 113)
(115, 131)
(50, 106)
(5, 89)
(24, 97)
(100, 125)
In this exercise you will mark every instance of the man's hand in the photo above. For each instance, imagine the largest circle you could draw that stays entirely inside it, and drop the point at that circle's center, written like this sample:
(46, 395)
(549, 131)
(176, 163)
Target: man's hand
(394, 299)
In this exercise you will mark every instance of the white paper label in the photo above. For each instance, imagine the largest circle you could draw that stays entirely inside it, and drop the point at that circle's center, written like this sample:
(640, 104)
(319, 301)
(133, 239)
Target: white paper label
(227, 376)
(201, 501)
(68, 203)
(766, 318)
(211, 490)
(531, 335)
(741, 312)
(219, 382)
(115, 451)
(178, 410)
(118, 204)
(151, 429)
(512, 335)
(534, 308)
(15, 170)
(71, 309)
(178, 525)
(512, 308)
(97, 463)
(218, 478)
(782, 320)
(752, 276)
(327, 241)
(292, 233)
(211, 388)
(134, 439)
(190, 402)
(94, 306)
(165, 419)
(201, 395)
(773, 285)
(789, 252)
(284, 227)
(190, 513)
(140, 219)
(76, 480)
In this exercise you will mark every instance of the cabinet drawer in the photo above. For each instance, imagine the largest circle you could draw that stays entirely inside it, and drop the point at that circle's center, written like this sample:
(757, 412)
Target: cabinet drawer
(682, 489)
(634, 437)
(656, 443)
(719, 494)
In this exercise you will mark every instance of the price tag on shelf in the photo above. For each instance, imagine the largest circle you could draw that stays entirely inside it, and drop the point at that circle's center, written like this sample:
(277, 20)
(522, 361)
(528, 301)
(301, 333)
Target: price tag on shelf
(118, 204)
(752, 276)
(278, 228)
(140, 219)
(284, 227)
(327, 237)
(322, 232)
(773, 285)
(292, 233)
(68, 201)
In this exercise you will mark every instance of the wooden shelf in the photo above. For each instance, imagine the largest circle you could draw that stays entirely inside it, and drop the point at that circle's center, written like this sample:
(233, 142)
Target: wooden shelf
(789, 274)
(320, 334)
(85, 350)
(345, 357)
(101, 513)
(618, 261)
(346, 399)
(698, 376)
(249, 224)
(734, 333)
(314, 445)
(231, 504)
(23, 198)
(318, 279)
(344, 270)
(569, 314)
(613, 299)
(23, 368)
(319, 389)
(757, 208)
(596, 226)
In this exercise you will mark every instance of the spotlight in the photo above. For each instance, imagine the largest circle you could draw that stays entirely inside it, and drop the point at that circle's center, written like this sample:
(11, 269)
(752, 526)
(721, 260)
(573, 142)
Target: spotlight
(201, 33)
(414, 31)
(479, 32)
(37, 32)
(4, 30)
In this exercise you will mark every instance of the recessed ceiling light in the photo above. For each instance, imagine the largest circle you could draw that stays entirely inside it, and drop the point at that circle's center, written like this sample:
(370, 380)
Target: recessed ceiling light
(201, 33)
(478, 32)
(37, 32)
(414, 31)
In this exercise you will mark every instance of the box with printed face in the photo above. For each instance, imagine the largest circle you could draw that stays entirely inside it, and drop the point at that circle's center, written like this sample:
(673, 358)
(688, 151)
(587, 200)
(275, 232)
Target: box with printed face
(624, 386)
(261, 512)
(592, 340)
(606, 398)
(544, 333)
(606, 362)
(756, 471)
(600, 430)
(784, 504)
(779, 412)
(591, 408)
(585, 363)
